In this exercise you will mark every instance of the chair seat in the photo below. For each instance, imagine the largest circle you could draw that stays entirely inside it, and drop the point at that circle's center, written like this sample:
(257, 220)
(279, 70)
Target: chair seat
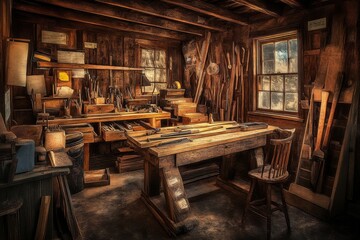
(256, 173)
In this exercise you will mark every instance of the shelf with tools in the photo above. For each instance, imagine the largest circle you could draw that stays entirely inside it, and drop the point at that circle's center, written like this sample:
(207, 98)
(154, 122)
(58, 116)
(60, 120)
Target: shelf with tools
(85, 66)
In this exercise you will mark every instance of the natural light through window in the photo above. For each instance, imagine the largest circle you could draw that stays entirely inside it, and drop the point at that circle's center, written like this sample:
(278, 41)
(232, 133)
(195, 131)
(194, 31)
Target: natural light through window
(277, 73)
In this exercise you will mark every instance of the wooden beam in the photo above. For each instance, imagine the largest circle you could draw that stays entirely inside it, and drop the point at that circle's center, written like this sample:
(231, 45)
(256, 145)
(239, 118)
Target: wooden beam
(121, 14)
(208, 9)
(20, 16)
(260, 6)
(293, 3)
(99, 21)
(154, 9)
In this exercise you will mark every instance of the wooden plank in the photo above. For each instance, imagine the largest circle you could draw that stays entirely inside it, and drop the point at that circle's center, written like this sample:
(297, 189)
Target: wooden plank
(118, 13)
(261, 6)
(293, 3)
(209, 9)
(158, 10)
(43, 217)
(85, 66)
(100, 21)
(199, 155)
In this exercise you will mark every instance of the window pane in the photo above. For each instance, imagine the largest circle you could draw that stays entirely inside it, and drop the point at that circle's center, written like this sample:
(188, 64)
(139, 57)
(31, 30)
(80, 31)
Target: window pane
(150, 74)
(147, 58)
(291, 83)
(277, 83)
(158, 86)
(264, 100)
(160, 75)
(281, 57)
(268, 67)
(293, 48)
(277, 101)
(264, 83)
(160, 59)
(291, 102)
(268, 51)
(293, 67)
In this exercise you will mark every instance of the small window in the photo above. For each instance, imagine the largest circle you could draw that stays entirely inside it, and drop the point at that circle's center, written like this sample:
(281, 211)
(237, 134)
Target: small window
(154, 62)
(277, 73)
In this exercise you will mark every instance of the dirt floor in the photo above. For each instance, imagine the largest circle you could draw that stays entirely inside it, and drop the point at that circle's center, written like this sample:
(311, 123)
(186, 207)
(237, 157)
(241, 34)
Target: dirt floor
(116, 212)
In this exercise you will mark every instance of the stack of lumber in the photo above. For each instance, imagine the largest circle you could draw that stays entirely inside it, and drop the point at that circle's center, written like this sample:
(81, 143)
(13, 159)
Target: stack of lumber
(192, 173)
(217, 72)
(129, 160)
(171, 93)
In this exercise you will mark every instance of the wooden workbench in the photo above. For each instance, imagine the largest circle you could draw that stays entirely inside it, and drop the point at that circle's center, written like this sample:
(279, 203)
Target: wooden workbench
(154, 120)
(204, 145)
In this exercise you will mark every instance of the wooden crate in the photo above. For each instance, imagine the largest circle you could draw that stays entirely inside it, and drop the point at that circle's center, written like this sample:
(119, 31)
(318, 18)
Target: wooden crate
(113, 135)
(98, 108)
(189, 118)
(183, 108)
(86, 128)
(96, 178)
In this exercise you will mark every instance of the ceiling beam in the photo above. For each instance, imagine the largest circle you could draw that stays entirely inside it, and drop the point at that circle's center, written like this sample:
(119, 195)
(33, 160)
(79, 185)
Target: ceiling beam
(121, 14)
(208, 9)
(261, 6)
(99, 21)
(155, 9)
(293, 3)
(20, 16)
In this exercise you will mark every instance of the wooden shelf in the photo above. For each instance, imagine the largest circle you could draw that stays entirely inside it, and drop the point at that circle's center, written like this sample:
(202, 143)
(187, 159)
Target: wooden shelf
(85, 66)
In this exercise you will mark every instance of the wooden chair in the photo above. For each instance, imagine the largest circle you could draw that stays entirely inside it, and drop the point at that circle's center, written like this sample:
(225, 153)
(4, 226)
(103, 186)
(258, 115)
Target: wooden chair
(271, 174)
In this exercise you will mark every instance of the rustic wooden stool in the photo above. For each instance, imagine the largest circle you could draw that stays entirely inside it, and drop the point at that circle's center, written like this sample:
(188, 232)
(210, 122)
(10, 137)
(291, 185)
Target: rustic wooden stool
(273, 174)
(10, 209)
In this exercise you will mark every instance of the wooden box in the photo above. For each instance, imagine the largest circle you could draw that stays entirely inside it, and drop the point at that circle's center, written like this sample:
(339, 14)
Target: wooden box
(189, 118)
(98, 108)
(166, 93)
(85, 128)
(96, 178)
(113, 135)
(182, 108)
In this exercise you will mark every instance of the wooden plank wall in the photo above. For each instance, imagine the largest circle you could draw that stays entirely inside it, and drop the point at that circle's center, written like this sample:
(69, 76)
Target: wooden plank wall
(30, 193)
(123, 49)
(309, 60)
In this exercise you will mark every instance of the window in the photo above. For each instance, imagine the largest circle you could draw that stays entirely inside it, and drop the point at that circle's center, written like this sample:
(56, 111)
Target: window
(154, 62)
(277, 73)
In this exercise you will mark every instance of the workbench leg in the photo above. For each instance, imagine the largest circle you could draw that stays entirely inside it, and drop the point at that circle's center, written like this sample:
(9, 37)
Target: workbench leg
(86, 156)
(227, 167)
(155, 122)
(151, 179)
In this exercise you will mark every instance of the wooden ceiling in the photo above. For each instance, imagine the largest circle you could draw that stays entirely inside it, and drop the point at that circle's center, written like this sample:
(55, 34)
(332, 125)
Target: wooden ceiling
(171, 19)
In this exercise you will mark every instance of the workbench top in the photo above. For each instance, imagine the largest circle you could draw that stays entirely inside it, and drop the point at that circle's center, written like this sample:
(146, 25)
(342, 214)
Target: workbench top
(226, 133)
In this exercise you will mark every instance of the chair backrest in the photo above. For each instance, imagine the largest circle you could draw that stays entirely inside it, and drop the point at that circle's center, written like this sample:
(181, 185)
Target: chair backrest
(279, 152)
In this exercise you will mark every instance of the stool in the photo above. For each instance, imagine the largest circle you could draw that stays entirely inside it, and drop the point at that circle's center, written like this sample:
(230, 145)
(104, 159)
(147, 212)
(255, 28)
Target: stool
(10, 209)
(273, 174)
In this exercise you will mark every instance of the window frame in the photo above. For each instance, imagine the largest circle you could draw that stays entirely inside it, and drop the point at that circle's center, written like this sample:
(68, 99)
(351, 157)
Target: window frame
(155, 48)
(257, 71)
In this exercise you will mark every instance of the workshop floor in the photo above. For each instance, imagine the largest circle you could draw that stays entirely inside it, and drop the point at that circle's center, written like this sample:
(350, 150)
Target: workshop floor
(116, 212)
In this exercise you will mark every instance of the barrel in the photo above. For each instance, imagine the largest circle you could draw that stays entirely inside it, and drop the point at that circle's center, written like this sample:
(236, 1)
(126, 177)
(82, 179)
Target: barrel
(75, 149)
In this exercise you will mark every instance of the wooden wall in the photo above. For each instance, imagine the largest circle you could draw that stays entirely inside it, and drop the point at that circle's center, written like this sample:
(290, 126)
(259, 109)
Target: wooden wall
(311, 43)
(124, 50)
